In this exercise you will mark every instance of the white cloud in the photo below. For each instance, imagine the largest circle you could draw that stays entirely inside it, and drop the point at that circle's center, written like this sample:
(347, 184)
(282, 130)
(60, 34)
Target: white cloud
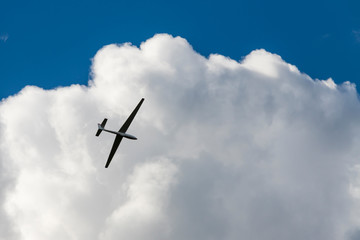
(226, 150)
(356, 34)
(4, 37)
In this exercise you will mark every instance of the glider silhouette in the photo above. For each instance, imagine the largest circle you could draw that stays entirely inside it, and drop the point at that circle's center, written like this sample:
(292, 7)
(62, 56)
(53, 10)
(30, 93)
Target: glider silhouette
(120, 134)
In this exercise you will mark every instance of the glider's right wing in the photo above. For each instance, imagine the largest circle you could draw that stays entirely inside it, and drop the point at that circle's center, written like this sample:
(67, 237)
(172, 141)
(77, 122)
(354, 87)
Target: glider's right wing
(126, 125)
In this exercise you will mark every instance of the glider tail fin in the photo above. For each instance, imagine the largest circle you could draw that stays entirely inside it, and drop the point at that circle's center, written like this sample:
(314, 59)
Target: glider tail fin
(101, 127)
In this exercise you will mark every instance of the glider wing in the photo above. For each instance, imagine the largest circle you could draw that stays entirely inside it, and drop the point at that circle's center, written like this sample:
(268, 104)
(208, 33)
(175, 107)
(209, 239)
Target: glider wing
(115, 146)
(128, 121)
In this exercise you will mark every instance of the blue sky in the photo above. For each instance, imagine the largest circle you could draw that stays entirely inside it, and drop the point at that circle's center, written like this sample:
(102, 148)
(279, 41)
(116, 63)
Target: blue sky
(51, 43)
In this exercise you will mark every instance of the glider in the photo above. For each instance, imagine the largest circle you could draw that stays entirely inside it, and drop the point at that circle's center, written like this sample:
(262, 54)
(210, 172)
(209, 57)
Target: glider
(120, 134)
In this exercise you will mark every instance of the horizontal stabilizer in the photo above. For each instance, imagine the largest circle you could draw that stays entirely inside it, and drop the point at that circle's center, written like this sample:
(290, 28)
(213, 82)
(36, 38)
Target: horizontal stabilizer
(101, 127)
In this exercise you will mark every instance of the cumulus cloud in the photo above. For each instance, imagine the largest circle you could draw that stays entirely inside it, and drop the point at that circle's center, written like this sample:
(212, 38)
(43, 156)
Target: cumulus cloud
(227, 150)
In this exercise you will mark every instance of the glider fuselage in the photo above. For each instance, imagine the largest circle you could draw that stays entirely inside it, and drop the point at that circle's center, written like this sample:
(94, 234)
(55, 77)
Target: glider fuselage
(125, 135)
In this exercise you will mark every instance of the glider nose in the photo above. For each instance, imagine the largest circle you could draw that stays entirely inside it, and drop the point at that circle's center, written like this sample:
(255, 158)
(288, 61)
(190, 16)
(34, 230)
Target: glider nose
(130, 136)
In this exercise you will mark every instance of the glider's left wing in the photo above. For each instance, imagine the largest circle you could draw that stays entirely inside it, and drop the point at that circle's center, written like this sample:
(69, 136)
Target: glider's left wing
(115, 146)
